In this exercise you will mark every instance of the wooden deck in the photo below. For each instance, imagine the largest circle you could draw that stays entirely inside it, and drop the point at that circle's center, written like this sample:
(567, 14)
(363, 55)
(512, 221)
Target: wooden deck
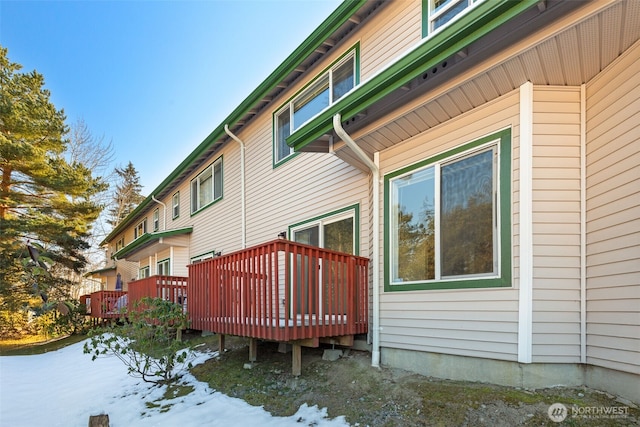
(106, 304)
(278, 291)
(169, 288)
(281, 291)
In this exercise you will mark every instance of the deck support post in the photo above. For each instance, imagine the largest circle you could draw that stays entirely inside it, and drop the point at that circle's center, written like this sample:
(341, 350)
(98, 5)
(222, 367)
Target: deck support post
(220, 344)
(296, 359)
(253, 349)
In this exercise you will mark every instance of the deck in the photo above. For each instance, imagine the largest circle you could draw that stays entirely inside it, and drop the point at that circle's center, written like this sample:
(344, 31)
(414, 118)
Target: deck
(281, 291)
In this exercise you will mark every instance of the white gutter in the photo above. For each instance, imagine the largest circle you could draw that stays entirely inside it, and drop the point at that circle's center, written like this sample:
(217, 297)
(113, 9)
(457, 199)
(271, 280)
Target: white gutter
(165, 210)
(243, 208)
(375, 250)
(583, 224)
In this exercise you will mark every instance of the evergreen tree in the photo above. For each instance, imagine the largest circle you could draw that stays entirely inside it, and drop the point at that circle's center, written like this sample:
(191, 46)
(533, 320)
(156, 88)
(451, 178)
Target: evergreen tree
(45, 200)
(127, 195)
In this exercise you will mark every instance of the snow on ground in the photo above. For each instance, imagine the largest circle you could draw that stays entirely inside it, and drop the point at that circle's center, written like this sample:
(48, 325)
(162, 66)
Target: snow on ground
(63, 388)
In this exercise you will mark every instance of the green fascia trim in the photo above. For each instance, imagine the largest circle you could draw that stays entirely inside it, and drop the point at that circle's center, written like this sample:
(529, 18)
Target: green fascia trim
(147, 238)
(356, 212)
(504, 177)
(484, 18)
(319, 35)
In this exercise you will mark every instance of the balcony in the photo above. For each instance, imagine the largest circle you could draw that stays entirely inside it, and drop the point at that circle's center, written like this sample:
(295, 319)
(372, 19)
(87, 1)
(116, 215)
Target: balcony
(105, 304)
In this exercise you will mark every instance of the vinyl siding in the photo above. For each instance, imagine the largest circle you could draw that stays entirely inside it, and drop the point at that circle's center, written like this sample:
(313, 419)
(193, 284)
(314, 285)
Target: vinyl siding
(556, 224)
(467, 322)
(613, 215)
(389, 33)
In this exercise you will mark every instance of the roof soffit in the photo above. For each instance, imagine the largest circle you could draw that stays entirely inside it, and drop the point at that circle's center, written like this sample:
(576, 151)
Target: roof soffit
(489, 70)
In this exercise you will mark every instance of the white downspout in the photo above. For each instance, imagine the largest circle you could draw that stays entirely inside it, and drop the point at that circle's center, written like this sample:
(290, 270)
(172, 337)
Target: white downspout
(243, 208)
(375, 250)
(583, 224)
(525, 293)
(164, 225)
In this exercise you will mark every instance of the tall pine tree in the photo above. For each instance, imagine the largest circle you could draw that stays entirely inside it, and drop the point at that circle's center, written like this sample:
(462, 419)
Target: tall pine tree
(45, 200)
(127, 194)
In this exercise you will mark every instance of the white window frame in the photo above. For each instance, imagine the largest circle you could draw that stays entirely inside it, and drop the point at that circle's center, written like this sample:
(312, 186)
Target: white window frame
(434, 14)
(140, 229)
(119, 244)
(307, 93)
(164, 264)
(216, 182)
(175, 205)
(144, 272)
(156, 219)
(436, 166)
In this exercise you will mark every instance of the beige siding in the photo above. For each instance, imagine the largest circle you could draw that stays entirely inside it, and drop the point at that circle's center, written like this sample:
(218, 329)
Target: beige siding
(389, 34)
(468, 322)
(556, 224)
(180, 261)
(613, 215)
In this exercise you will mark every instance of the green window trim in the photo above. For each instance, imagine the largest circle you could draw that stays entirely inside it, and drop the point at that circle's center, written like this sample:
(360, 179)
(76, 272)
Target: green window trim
(202, 257)
(437, 14)
(163, 263)
(195, 186)
(504, 256)
(355, 208)
(289, 107)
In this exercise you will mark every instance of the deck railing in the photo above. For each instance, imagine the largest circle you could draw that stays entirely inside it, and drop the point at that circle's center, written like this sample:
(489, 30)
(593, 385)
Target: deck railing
(281, 291)
(107, 304)
(169, 288)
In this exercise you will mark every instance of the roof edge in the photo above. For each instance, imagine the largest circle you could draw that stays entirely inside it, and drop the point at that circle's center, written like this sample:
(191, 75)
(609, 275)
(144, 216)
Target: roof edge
(478, 22)
(342, 13)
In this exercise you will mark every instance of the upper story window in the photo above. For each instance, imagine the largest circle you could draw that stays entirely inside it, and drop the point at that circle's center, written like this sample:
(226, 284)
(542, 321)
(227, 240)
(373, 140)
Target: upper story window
(120, 244)
(323, 91)
(175, 205)
(140, 229)
(156, 220)
(206, 188)
(441, 12)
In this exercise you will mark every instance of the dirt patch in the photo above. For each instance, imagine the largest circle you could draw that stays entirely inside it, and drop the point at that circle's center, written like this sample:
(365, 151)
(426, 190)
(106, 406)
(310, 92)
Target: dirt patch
(369, 396)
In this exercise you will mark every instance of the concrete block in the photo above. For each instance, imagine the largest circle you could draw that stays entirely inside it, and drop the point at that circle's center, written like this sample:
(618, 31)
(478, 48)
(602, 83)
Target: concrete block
(331, 355)
(284, 348)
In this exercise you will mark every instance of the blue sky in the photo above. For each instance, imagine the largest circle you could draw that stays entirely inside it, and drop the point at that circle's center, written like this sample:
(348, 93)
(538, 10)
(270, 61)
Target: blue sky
(154, 77)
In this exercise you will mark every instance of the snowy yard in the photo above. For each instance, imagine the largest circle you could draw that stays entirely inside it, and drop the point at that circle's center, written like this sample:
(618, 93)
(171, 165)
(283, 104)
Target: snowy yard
(63, 388)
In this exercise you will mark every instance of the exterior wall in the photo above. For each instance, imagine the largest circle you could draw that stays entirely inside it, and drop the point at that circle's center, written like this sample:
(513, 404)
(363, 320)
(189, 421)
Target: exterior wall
(613, 215)
(389, 34)
(556, 224)
(465, 322)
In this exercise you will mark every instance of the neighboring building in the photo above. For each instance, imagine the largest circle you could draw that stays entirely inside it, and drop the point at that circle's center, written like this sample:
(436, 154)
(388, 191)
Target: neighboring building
(483, 154)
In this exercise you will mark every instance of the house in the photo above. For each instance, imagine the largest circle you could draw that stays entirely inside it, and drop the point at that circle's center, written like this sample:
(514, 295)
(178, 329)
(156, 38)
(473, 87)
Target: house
(481, 156)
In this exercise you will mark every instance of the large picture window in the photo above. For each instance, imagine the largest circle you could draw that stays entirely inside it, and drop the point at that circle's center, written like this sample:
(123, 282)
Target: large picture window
(323, 91)
(448, 219)
(206, 188)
